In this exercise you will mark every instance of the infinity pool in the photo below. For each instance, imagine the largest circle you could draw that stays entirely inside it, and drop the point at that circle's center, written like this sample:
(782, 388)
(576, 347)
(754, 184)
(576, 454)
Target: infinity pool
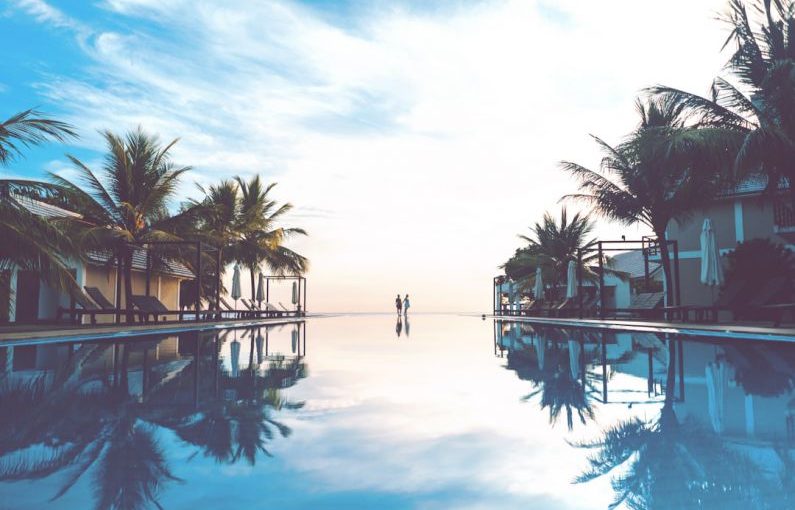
(433, 412)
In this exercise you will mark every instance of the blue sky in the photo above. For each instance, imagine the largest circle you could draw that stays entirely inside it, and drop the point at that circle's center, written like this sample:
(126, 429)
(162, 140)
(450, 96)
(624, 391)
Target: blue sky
(415, 142)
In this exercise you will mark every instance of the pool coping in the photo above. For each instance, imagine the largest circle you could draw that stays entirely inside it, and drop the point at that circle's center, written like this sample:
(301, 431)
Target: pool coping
(725, 331)
(112, 332)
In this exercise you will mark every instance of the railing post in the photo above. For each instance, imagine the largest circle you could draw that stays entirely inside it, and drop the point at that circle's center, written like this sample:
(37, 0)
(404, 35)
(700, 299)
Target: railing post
(676, 274)
(198, 278)
(148, 269)
(218, 281)
(579, 281)
(304, 302)
(601, 283)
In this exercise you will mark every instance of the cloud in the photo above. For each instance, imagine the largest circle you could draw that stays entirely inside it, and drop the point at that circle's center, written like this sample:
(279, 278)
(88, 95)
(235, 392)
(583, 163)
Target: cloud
(432, 135)
(45, 13)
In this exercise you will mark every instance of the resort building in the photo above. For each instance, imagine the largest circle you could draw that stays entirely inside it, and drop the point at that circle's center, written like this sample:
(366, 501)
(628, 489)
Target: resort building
(744, 213)
(24, 297)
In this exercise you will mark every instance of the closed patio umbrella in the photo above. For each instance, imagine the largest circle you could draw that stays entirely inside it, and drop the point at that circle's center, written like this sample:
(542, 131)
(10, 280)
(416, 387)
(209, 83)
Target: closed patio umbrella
(261, 289)
(715, 375)
(571, 280)
(295, 293)
(574, 358)
(711, 268)
(538, 289)
(260, 341)
(236, 292)
(235, 355)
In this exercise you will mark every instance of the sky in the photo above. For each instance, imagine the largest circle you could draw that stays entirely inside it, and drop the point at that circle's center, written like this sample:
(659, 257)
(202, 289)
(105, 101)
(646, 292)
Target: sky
(415, 139)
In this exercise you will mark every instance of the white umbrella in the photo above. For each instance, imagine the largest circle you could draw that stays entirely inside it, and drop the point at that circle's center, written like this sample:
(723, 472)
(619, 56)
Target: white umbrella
(259, 347)
(538, 289)
(261, 289)
(574, 359)
(235, 352)
(236, 293)
(711, 268)
(715, 374)
(571, 280)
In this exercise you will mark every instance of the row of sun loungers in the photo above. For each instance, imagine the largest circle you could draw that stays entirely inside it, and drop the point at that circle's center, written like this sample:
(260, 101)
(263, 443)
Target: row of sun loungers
(770, 300)
(147, 308)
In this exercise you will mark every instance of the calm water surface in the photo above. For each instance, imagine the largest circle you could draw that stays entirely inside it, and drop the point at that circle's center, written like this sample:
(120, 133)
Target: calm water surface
(435, 412)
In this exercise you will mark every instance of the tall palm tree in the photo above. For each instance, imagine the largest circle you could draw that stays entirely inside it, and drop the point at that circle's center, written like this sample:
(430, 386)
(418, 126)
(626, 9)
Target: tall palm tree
(663, 171)
(551, 245)
(261, 239)
(755, 98)
(29, 241)
(127, 204)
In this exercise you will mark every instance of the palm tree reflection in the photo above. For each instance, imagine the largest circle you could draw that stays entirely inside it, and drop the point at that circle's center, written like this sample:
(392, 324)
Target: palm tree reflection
(667, 464)
(557, 363)
(72, 424)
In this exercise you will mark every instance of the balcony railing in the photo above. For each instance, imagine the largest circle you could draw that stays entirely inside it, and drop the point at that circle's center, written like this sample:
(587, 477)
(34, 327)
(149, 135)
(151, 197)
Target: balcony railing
(783, 215)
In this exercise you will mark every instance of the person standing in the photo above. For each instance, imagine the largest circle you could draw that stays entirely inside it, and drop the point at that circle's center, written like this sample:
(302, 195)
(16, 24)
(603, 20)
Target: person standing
(398, 304)
(406, 305)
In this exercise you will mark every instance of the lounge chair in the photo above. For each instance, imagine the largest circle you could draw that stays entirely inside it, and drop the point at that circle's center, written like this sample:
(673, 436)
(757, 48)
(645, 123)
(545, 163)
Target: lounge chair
(97, 305)
(238, 314)
(150, 305)
(644, 305)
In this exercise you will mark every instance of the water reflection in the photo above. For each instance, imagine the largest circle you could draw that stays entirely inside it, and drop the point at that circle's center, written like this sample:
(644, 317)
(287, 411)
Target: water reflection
(719, 431)
(97, 410)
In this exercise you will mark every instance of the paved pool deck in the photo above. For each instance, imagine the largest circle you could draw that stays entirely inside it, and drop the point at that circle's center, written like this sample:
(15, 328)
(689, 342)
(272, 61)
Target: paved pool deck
(11, 335)
(733, 331)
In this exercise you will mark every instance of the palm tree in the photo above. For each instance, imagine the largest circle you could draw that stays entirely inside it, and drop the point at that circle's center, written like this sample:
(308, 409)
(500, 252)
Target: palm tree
(127, 204)
(30, 128)
(30, 242)
(755, 99)
(261, 239)
(663, 171)
(551, 246)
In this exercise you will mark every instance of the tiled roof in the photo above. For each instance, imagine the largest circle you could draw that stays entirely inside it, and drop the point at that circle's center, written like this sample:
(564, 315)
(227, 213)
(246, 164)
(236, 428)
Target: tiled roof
(756, 183)
(45, 210)
(631, 262)
(169, 267)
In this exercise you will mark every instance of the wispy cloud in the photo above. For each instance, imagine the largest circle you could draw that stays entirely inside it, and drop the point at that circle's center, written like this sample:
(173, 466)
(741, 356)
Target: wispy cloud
(46, 13)
(432, 135)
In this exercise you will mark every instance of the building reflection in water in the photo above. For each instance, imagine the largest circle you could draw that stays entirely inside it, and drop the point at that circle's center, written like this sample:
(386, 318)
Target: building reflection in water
(722, 414)
(94, 409)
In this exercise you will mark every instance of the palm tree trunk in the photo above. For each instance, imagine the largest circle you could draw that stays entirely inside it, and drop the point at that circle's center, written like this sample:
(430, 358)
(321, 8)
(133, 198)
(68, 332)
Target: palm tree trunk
(128, 291)
(665, 260)
(253, 284)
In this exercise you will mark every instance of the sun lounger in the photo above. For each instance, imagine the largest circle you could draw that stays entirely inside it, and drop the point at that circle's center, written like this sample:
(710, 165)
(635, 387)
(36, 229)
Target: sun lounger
(644, 305)
(97, 305)
(150, 305)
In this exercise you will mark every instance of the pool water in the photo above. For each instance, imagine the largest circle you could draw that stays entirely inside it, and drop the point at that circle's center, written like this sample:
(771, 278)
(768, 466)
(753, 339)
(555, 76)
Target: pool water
(432, 412)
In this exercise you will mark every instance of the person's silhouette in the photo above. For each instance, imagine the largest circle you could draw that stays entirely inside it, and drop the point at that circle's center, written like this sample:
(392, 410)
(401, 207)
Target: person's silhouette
(398, 304)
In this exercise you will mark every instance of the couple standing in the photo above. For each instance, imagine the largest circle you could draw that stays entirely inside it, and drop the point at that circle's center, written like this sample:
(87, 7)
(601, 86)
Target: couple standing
(402, 305)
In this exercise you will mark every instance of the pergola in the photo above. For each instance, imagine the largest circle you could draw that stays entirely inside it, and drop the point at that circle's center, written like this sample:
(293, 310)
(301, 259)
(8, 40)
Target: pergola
(650, 246)
(301, 290)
